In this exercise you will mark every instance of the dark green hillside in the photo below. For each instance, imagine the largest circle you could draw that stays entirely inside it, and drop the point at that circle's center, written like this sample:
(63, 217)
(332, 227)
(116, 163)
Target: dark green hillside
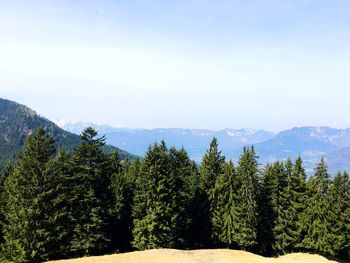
(18, 121)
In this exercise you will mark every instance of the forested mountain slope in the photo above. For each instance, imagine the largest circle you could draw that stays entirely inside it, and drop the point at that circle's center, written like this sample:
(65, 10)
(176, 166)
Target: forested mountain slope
(18, 121)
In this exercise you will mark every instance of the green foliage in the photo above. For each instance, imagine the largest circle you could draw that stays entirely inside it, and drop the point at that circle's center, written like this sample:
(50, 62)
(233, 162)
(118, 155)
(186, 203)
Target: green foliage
(314, 222)
(91, 197)
(28, 222)
(198, 212)
(8, 170)
(296, 194)
(338, 216)
(210, 169)
(182, 175)
(158, 203)
(225, 214)
(273, 204)
(62, 194)
(91, 201)
(281, 204)
(18, 122)
(266, 217)
(122, 184)
(247, 173)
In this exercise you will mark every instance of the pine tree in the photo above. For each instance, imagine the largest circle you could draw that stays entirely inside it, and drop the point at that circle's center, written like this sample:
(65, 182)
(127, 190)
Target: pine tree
(122, 180)
(60, 169)
(157, 209)
(339, 216)
(7, 171)
(274, 208)
(314, 223)
(296, 192)
(283, 191)
(247, 171)
(93, 196)
(225, 212)
(282, 209)
(197, 211)
(210, 169)
(266, 216)
(182, 171)
(28, 223)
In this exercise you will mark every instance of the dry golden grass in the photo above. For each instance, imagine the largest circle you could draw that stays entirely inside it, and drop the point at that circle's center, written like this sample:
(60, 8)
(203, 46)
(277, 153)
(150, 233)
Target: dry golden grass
(196, 256)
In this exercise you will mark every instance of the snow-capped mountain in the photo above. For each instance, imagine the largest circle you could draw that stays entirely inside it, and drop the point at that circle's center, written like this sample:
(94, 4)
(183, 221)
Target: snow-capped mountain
(77, 127)
(195, 141)
(311, 143)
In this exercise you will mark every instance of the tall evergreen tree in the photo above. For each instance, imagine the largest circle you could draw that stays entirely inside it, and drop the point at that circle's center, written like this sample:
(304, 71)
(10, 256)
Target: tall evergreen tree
(93, 196)
(266, 216)
(123, 174)
(156, 213)
(225, 212)
(314, 222)
(295, 195)
(282, 212)
(28, 223)
(7, 171)
(182, 170)
(339, 216)
(274, 204)
(210, 169)
(60, 169)
(131, 173)
(197, 211)
(247, 173)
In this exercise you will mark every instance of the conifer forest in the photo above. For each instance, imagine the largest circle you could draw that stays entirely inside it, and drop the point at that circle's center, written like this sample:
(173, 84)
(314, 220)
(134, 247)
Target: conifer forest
(57, 204)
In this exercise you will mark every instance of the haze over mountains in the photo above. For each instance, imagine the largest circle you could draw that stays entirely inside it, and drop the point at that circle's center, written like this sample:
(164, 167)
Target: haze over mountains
(311, 143)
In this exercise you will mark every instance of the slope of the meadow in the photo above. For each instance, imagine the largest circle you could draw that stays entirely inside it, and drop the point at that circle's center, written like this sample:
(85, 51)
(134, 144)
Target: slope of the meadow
(196, 256)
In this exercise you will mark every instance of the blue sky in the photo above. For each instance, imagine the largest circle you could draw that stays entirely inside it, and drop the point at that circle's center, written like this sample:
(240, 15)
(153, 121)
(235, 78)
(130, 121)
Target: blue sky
(196, 64)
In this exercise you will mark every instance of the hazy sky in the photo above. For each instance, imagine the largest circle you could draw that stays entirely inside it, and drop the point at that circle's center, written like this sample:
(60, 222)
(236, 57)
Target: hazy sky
(181, 63)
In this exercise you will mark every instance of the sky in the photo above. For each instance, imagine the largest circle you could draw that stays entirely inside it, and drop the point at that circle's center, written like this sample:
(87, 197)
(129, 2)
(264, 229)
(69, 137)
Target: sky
(261, 64)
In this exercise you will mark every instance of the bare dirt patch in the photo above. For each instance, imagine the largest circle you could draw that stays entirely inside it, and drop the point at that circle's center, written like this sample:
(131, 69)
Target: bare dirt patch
(196, 256)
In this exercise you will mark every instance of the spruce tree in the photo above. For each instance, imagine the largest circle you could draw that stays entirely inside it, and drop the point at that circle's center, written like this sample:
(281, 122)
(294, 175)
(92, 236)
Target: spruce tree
(93, 196)
(273, 208)
(182, 171)
(282, 209)
(61, 205)
(296, 194)
(266, 216)
(210, 169)
(339, 216)
(314, 222)
(197, 210)
(122, 181)
(247, 173)
(225, 212)
(131, 170)
(157, 209)
(28, 221)
(7, 171)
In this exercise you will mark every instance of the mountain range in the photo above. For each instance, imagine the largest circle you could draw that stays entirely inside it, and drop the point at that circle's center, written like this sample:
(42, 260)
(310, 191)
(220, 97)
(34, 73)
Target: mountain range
(311, 143)
(18, 121)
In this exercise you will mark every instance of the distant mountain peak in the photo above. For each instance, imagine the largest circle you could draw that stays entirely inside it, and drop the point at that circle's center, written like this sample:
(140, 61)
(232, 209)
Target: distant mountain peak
(309, 142)
(77, 127)
(62, 123)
